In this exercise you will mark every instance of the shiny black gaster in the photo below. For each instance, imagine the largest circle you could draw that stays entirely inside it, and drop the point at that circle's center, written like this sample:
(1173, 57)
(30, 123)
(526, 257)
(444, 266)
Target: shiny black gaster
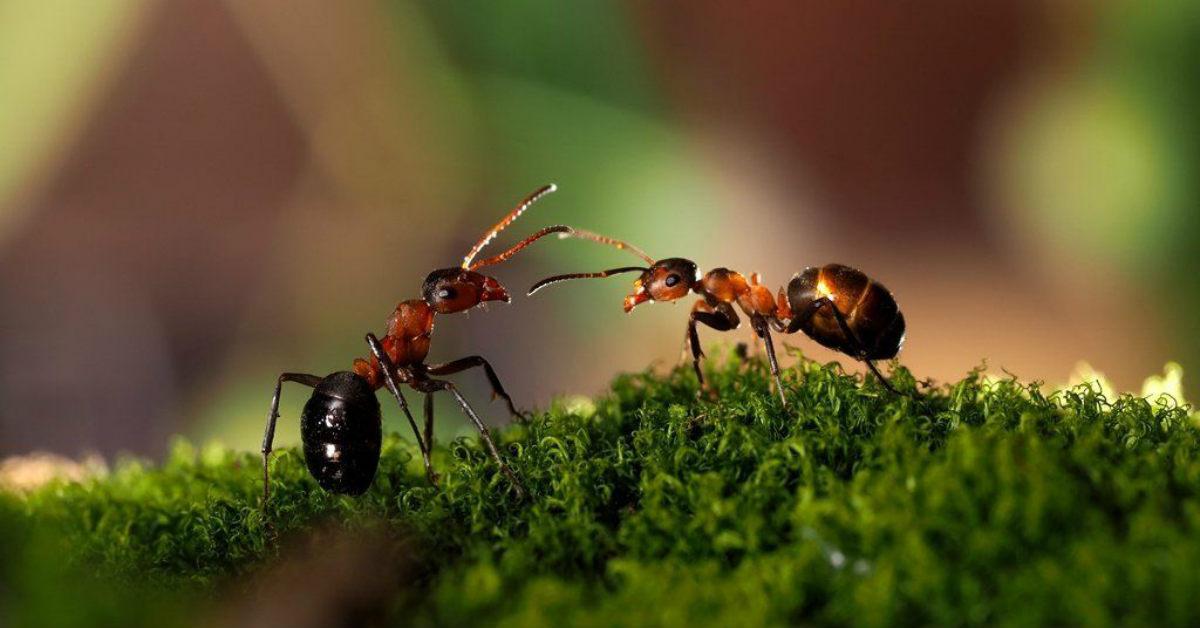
(342, 430)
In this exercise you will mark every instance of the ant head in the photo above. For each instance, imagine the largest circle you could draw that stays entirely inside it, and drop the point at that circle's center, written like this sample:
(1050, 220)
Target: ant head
(451, 290)
(665, 280)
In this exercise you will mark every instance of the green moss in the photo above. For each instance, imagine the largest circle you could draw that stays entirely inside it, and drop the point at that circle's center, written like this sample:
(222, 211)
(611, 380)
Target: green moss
(986, 503)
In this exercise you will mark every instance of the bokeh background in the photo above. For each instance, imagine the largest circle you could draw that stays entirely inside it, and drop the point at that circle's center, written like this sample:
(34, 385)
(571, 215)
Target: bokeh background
(196, 195)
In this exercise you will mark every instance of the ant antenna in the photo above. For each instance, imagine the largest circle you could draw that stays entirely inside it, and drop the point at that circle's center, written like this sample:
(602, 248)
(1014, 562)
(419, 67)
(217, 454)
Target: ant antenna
(561, 229)
(506, 221)
(600, 275)
(613, 242)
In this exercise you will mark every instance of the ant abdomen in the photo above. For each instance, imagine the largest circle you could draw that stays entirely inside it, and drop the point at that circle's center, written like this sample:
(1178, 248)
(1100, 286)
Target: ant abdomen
(341, 430)
(868, 308)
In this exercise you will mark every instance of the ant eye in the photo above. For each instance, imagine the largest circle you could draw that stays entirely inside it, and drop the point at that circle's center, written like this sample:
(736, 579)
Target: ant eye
(445, 294)
(671, 280)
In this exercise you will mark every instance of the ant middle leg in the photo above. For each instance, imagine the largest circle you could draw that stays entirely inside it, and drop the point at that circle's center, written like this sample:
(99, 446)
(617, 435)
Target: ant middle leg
(764, 331)
(312, 381)
(429, 433)
(722, 317)
(429, 421)
(474, 361)
(435, 385)
(389, 379)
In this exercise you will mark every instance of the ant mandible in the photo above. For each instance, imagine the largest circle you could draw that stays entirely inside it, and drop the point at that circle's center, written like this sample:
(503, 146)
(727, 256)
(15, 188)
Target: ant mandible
(838, 306)
(341, 425)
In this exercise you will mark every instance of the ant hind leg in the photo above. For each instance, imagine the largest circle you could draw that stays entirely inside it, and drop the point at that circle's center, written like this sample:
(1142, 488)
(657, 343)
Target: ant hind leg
(883, 380)
(859, 350)
(435, 385)
(312, 381)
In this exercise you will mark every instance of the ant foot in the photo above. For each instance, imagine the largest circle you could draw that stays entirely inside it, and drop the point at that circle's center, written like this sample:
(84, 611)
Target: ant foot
(516, 482)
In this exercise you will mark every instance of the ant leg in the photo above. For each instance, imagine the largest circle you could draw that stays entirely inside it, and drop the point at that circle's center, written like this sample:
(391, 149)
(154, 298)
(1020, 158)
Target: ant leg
(691, 339)
(857, 345)
(720, 318)
(883, 380)
(462, 364)
(434, 385)
(272, 415)
(859, 351)
(807, 313)
(385, 365)
(764, 332)
(429, 434)
(429, 421)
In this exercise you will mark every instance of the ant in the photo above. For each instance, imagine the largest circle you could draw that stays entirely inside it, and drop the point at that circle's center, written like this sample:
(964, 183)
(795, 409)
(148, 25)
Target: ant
(838, 306)
(341, 425)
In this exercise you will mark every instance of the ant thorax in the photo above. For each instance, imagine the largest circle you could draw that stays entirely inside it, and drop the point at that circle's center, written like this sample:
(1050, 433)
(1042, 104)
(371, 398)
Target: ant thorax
(410, 319)
(406, 340)
(408, 332)
(730, 286)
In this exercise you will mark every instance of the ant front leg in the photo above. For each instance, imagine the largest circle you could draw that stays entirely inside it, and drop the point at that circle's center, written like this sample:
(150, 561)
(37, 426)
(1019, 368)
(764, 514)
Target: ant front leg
(389, 371)
(272, 415)
(721, 318)
(435, 385)
(474, 361)
(764, 331)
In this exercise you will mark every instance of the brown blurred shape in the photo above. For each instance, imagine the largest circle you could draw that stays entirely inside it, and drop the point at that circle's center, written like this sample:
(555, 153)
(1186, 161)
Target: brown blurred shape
(131, 275)
(880, 100)
(334, 576)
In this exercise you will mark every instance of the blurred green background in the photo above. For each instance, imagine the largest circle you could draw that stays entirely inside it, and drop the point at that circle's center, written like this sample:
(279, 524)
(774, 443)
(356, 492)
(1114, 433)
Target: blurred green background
(195, 196)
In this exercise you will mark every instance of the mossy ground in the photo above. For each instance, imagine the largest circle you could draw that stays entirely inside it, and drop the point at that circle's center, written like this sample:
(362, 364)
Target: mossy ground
(986, 503)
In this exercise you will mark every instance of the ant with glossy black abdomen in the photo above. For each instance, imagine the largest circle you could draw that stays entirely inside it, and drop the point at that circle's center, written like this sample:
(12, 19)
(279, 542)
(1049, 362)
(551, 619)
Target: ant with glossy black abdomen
(341, 425)
(838, 306)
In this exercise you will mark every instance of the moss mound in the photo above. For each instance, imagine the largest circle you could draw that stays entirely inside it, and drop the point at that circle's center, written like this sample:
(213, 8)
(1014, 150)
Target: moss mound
(986, 503)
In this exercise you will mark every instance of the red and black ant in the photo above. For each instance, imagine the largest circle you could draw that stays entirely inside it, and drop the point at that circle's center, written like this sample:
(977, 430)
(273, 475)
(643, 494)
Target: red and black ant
(838, 306)
(341, 426)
